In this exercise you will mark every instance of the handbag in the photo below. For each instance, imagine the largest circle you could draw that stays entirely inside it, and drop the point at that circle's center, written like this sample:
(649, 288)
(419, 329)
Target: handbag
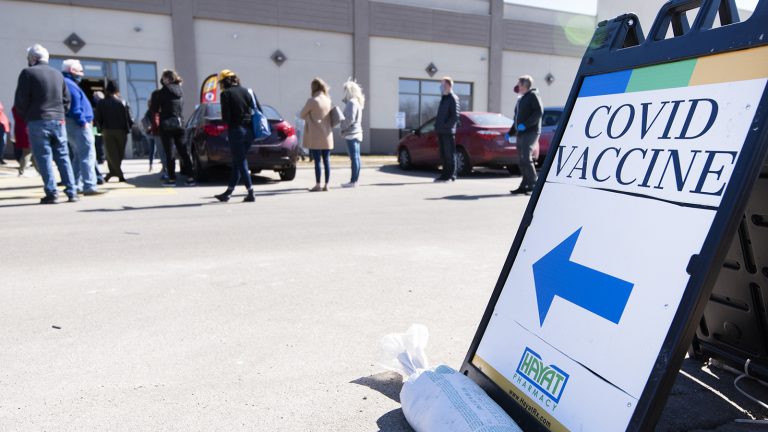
(171, 124)
(337, 116)
(259, 123)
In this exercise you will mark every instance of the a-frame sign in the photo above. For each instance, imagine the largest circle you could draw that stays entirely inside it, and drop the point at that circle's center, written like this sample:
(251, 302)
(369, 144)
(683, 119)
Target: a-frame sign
(661, 144)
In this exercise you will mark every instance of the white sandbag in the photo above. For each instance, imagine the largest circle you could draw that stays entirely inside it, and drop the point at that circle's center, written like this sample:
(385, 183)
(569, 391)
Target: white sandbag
(439, 399)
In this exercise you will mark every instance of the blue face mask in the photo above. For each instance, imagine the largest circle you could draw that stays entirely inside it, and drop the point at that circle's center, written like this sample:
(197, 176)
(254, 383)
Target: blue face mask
(77, 79)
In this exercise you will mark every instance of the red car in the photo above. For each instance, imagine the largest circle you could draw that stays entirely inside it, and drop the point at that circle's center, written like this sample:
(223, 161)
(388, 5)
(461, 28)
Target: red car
(479, 142)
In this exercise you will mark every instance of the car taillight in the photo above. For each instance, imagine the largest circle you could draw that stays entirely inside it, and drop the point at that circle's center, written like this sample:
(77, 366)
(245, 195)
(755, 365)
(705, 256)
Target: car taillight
(285, 129)
(488, 134)
(214, 129)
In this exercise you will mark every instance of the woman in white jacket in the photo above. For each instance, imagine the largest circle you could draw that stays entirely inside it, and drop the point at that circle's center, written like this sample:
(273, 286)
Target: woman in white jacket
(352, 127)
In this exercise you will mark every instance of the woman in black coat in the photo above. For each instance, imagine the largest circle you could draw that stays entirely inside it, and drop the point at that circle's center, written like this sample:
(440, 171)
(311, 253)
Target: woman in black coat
(168, 103)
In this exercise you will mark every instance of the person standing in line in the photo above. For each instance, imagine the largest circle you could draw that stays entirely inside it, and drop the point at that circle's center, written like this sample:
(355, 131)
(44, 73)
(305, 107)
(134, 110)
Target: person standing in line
(237, 105)
(318, 132)
(527, 127)
(168, 103)
(150, 124)
(445, 127)
(42, 99)
(79, 121)
(113, 117)
(5, 132)
(352, 127)
(97, 140)
(21, 142)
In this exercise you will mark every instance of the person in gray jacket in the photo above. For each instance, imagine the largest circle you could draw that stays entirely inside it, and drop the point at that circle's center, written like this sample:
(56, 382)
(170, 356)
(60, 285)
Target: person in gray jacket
(445, 126)
(352, 127)
(527, 127)
(42, 99)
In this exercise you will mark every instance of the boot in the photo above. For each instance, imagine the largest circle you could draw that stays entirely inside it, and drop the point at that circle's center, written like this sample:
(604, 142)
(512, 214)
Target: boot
(249, 197)
(225, 196)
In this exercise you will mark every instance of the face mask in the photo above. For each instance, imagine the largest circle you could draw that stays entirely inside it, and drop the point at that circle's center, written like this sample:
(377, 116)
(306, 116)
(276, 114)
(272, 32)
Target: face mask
(77, 78)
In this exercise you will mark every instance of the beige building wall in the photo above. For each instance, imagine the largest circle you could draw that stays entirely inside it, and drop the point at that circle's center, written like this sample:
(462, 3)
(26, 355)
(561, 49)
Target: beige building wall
(481, 7)
(392, 59)
(108, 34)
(246, 49)
(538, 66)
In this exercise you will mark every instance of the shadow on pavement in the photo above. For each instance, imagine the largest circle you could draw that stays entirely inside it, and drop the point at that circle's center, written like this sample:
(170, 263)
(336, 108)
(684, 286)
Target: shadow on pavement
(36, 203)
(388, 384)
(40, 186)
(129, 208)
(478, 173)
(693, 403)
(468, 197)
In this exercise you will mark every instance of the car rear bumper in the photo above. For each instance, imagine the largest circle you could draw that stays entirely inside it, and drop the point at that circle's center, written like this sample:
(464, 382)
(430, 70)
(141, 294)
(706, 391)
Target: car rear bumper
(260, 156)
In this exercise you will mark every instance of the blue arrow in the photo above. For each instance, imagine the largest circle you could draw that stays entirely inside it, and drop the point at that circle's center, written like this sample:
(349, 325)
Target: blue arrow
(556, 275)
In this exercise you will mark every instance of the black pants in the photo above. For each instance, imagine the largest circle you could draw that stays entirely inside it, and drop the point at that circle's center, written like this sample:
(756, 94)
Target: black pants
(176, 138)
(447, 155)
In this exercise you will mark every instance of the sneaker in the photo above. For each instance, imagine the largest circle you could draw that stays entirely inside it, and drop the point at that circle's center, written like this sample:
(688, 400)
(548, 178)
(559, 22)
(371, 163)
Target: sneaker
(349, 185)
(73, 199)
(169, 183)
(49, 199)
(317, 188)
(94, 192)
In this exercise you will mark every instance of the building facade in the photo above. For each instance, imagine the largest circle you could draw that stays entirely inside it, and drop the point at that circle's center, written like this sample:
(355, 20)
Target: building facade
(396, 49)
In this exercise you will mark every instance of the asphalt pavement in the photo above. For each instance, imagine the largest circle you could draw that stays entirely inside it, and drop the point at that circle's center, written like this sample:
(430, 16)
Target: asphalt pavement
(154, 308)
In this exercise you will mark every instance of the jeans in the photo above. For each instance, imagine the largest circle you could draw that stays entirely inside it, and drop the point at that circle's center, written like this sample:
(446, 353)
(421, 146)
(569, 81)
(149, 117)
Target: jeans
(114, 145)
(176, 138)
(353, 149)
(48, 139)
(447, 155)
(325, 155)
(83, 156)
(240, 139)
(3, 138)
(525, 143)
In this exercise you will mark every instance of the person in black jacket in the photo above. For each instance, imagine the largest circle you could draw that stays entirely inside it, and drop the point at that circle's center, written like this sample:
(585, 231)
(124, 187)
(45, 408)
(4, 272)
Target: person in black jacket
(445, 127)
(42, 99)
(113, 118)
(237, 105)
(527, 127)
(168, 103)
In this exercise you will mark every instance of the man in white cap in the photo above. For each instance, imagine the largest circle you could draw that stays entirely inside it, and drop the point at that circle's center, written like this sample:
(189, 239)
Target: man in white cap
(80, 130)
(42, 99)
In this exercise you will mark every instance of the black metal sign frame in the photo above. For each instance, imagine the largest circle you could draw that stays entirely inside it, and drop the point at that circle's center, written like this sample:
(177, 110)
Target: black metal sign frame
(619, 44)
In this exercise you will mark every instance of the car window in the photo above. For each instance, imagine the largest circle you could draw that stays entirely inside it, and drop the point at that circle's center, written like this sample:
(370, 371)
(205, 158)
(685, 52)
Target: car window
(490, 120)
(550, 118)
(193, 119)
(427, 127)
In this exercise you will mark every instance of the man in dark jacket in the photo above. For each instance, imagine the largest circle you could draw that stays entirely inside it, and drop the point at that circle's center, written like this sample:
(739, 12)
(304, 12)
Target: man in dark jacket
(527, 128)
(445, 127)
(113, 117)
(42, 99)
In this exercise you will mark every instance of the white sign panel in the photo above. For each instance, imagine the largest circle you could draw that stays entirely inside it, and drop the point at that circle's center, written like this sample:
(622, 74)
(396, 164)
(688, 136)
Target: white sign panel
(400, 120)
(630, 198)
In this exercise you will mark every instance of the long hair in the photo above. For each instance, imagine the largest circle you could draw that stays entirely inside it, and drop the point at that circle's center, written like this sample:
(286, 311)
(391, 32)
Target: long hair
(319, 86)
(352, 90)
(171, 76)
(230, 81)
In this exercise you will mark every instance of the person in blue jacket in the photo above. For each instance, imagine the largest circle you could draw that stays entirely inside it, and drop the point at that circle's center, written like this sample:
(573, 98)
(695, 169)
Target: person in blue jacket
(79, 121)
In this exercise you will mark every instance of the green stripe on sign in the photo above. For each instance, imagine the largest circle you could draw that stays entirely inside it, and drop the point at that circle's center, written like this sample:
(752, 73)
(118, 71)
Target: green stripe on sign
(664, 76)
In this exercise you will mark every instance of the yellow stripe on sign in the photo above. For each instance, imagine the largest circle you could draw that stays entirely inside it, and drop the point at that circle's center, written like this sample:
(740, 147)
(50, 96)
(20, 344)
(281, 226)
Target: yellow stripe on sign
(740, 65)
(526, 403)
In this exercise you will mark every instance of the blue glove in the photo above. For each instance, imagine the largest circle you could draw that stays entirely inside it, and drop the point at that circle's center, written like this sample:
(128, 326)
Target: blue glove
(521, 127)
(506, 137)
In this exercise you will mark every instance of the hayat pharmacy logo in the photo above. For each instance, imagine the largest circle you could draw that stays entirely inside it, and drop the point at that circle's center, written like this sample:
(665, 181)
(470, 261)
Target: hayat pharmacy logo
(545, 381)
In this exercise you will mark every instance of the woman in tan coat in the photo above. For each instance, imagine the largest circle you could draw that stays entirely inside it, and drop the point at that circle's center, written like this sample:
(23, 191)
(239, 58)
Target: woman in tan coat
(318, 133)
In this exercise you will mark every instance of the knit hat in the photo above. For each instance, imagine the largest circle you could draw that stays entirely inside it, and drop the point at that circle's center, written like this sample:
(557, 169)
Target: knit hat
(37, 53)
(73, 67)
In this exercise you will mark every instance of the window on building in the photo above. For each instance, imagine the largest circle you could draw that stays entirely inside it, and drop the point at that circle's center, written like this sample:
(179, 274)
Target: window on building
(419, 99)
(142, 81)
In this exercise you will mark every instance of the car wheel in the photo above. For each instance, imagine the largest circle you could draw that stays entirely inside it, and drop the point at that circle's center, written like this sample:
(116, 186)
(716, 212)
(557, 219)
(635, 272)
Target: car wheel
(463, 165)
(404, 159)
(200, 173)
(288, 174)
